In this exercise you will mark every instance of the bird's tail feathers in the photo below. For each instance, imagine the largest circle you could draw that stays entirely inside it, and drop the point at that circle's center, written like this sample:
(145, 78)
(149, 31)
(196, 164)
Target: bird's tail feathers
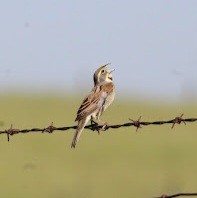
(80, 127)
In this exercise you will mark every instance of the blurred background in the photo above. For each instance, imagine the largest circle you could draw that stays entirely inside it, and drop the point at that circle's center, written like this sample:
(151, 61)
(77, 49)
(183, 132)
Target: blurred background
(48, 53)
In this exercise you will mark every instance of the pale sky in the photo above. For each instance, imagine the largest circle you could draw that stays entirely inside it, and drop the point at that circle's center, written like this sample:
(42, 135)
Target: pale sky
(56, 45)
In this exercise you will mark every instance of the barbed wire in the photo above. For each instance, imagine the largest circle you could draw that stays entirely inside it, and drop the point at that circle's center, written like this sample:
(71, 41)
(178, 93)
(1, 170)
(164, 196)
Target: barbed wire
(95, 127)
(178, 195)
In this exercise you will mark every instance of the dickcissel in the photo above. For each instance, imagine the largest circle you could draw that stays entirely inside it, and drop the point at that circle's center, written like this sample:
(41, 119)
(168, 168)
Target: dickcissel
(96, 102)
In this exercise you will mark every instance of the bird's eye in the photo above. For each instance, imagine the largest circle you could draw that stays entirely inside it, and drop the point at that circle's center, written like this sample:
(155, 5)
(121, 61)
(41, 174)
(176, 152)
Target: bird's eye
(103, 71)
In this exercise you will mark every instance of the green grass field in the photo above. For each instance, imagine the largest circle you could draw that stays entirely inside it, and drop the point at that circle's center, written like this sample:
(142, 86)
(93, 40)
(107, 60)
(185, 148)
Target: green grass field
(117, 163)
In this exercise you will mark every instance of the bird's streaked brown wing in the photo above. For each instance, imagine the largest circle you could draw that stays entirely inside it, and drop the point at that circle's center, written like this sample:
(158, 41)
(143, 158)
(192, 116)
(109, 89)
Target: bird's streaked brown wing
(94, 100)
(89, 104)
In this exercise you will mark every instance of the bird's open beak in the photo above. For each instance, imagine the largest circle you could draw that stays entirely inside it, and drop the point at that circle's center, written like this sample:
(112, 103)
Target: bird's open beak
(111, 71)
(106, 64)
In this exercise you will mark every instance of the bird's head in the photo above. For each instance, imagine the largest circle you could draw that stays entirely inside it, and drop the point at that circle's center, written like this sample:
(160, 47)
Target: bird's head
(103, 74)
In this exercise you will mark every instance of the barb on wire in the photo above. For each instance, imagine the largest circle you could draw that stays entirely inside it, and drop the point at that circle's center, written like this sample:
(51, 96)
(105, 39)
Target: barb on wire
(95, 127)
(136, 123)
(178, 195)
(178, 120)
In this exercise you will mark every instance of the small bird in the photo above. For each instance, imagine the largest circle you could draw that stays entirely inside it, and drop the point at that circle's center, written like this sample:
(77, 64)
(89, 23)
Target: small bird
(97, 101)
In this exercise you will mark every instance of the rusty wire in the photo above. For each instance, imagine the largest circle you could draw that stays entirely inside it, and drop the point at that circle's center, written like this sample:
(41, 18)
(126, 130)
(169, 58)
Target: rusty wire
(178, 195)
(95, 127)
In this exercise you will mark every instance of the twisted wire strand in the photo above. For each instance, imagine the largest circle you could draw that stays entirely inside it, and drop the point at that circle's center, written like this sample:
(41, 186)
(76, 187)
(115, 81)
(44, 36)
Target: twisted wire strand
(95, 127)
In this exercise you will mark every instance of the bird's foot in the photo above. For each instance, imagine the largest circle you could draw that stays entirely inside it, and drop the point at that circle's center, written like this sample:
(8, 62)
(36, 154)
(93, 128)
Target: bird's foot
(94, 126)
